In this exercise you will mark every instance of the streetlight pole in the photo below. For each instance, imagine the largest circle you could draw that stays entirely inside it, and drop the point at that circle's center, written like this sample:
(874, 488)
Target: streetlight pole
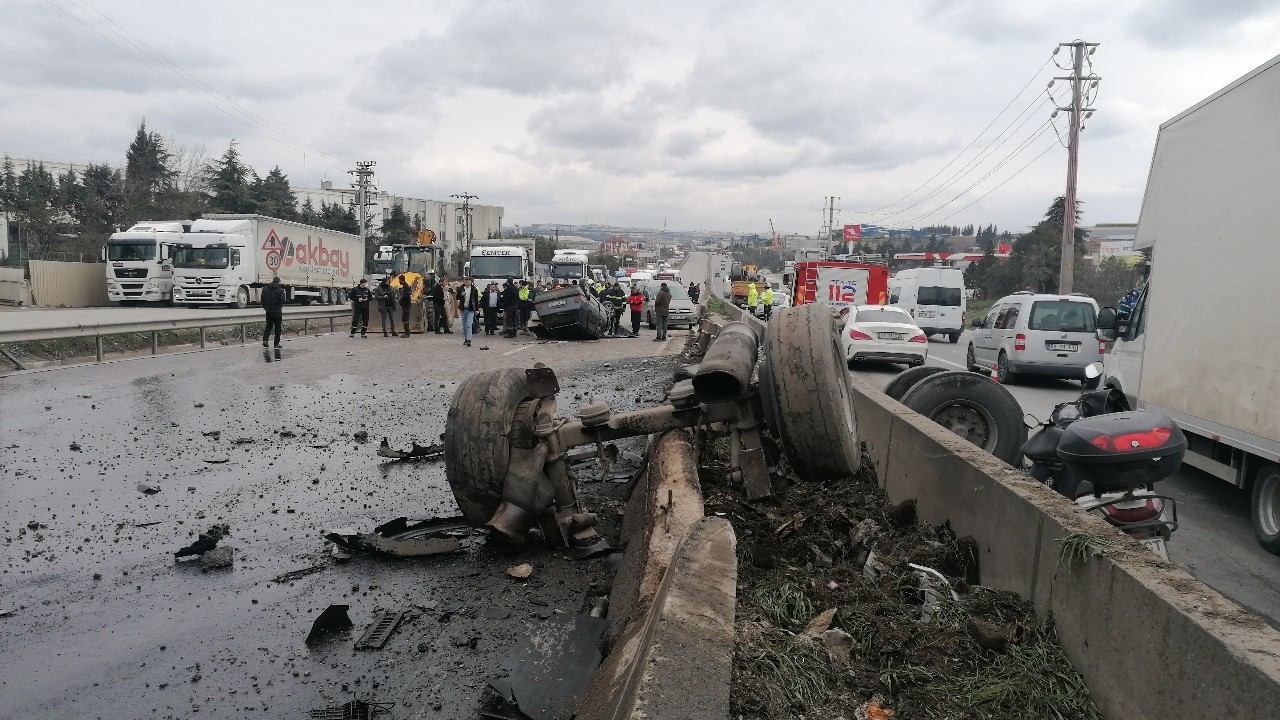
(466, 199)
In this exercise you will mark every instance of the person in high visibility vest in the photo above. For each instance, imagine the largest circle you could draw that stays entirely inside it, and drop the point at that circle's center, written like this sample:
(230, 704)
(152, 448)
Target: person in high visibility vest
(768, 301)
(526, 304)
(753, 296)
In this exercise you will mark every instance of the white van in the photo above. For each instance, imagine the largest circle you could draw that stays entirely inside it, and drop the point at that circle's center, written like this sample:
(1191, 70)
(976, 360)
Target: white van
(935, 297)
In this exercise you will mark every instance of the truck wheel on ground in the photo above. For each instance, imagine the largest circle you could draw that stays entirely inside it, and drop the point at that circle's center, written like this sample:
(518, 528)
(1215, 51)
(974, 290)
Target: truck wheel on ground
(978, 410)
(805, 391)
(1006, 376)
(476, 447)
(970, 360)
(1266, 508)
(242, 298)
(304, 299)
(908, 379)
(326, 296)
(954, 337)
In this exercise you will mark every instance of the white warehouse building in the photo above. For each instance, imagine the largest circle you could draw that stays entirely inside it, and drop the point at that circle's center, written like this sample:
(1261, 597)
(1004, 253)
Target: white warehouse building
(440, 216)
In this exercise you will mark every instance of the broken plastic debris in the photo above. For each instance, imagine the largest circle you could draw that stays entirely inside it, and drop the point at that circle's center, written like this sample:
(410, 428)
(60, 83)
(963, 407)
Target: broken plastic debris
(521, 572)
(821, 623)
(148, 488)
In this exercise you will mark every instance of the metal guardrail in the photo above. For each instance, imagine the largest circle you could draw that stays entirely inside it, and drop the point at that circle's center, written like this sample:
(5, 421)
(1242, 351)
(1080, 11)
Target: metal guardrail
(155, 327)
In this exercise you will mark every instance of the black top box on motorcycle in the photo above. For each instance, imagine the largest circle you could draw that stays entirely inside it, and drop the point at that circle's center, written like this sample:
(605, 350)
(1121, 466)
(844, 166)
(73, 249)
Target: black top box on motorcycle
(1121, 451)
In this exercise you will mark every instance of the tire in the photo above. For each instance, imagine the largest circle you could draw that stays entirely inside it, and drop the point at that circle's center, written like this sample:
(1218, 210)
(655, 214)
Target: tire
(304, 300)
(954, 337)
(326, 296)
(971, 361)
(242, 298)
(978, 410)
(1091, 383)
(476, 447)
(1266, 508)
(908, 379)
(1006, 376)
(807, 399)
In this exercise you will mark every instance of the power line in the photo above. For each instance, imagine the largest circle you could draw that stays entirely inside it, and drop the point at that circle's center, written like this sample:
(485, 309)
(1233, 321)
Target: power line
(966, 147)
(997, 187)
(279, 137)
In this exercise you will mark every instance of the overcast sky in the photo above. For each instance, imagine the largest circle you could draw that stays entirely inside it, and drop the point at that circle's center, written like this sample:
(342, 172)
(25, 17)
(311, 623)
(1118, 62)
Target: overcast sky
(710, 115)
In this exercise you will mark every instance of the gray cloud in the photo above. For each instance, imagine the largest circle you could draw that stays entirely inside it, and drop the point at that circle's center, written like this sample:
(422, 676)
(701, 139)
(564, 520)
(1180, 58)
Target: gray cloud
(687, 143)
(1180, 23)
(583, 123)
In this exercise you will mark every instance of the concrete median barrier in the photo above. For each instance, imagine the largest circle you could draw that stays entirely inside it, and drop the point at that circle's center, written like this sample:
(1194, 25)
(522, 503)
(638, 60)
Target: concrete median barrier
(1150, 640)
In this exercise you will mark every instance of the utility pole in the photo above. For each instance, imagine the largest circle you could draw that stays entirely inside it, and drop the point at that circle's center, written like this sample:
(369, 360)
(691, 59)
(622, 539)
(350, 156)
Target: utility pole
(1077, 112)
(362, 184)
(829, 225)
(466, 199)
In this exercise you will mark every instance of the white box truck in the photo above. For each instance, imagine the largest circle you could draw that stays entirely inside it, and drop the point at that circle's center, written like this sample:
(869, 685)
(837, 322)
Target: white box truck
(1201, 345)
(935, 297)
(228, 259)
(138, 265)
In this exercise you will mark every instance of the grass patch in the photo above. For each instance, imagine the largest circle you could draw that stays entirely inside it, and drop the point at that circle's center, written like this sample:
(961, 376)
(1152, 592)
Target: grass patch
(716, 305)
(1076, 548)
(794, 675)
(785, 605)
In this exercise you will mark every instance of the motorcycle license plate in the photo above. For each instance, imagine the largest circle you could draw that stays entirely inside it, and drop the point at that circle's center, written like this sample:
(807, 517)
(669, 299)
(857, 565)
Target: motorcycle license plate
(1064, 347)
(1157, 546)
(890, 336)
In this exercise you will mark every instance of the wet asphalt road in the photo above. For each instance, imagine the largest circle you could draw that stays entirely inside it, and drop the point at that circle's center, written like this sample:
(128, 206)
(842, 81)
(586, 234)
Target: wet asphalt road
(106, 624)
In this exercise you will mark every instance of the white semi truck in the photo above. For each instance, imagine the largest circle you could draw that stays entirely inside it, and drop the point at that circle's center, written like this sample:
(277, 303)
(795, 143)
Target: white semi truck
(138, 265)
(1200, 345)
(228, 259)
(501, 258)
(569, 267)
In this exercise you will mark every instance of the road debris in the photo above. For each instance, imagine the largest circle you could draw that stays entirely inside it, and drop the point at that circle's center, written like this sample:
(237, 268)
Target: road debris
(433, 452)
(361, 436)
(376, 637)
(429, 537)
(74, 447)
(147, 487)
(354, 710)
(545, 675)
(333, 620)
(222, 557)
(520, 572)
(217, 460)
(295, 574)
(215, 434)
(207, 541)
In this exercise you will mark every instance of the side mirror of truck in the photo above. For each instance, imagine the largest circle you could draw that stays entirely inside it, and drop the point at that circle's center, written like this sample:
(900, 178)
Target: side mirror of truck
(235, 258)
(1108, 324)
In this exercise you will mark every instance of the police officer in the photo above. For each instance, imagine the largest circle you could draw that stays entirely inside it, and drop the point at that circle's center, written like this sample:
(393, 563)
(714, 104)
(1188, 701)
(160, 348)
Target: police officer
(767, 298)
(525, 294)
(753, 297)
(617, 300)
(360, 298)
(384, 295)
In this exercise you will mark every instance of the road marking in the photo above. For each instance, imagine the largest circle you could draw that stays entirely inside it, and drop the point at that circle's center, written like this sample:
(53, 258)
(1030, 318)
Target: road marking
(948, 362)
(519, 349)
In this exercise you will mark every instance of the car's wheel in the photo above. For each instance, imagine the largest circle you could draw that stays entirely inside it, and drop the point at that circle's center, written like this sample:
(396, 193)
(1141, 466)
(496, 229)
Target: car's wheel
(1003, 373)
(978, 410)
(1266, 508)
(955, 338)
(908, 379)
(242, 298)
(807, 400)
(971, 360)
(477, 446)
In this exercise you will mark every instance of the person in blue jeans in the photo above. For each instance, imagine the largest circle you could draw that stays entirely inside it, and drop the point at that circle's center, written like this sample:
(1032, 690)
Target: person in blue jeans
(468, 303)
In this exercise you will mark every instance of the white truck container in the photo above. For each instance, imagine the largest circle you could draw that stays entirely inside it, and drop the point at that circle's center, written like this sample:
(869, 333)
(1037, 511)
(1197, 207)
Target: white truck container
(1201, 344)
(498, 259)
(138, 265)
(228, 259)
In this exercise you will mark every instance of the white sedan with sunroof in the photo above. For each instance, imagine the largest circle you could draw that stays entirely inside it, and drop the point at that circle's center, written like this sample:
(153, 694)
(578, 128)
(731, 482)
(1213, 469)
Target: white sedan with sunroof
(883, 333)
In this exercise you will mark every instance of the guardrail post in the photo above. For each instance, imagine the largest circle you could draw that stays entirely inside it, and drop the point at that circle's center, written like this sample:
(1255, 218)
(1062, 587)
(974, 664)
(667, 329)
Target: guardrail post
(331, 329)
(98, 342)
(242, 331)
(155, 342)
(202, 338)
(306, 326)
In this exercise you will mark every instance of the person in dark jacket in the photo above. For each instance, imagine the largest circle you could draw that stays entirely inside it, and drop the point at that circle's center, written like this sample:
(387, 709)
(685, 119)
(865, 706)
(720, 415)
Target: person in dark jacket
(385, 296)
(360, 298)
(442, 313)
(661, 311)
(273, 297)
(615, 300)
(510, 308)
(694, 292)
(491, 301)
(468, 303)
(406, 302)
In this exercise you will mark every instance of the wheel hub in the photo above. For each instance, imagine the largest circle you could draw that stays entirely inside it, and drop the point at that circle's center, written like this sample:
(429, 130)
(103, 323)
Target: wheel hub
(968, 422)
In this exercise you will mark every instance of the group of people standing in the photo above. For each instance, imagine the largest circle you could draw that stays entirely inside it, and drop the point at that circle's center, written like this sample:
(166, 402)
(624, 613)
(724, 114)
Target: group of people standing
(463, 301)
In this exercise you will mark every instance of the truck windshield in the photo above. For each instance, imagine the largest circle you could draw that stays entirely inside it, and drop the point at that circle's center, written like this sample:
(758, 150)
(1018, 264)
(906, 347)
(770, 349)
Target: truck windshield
(944, 296)
(195, 257)
(566, 271)
(1062, 316)
(382, 267)
(497, 266)
(120, 250)
(420, 261)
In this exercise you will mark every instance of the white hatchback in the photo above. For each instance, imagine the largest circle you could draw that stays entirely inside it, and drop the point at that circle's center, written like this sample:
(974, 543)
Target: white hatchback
(884, 333)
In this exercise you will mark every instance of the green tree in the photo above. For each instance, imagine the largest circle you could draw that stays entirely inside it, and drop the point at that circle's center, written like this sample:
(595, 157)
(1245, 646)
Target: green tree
(544, 248)
(230, 183)
(1109, 280)
(397, 229)
(36, 205)
(101, 208)
(148, 176)
(307, 213)
(338, 217)
(274, 197)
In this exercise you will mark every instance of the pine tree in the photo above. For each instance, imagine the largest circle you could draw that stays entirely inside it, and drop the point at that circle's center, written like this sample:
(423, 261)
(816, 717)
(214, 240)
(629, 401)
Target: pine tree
(36, 204)
(396, 228)
(103, 200)
(230, 183)
(307, 214)
(149, 176)
(274, 197)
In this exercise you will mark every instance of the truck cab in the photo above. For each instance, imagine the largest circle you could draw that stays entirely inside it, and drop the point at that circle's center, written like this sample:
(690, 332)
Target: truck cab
(138, 265)
(569, 267)
(212, 268)
(497, 263)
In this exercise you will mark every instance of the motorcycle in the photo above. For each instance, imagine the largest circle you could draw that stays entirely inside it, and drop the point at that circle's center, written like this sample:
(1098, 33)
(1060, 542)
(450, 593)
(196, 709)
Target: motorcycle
(1106, 457)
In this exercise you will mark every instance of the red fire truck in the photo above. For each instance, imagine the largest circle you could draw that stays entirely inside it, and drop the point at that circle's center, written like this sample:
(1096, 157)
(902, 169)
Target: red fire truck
(840, 284)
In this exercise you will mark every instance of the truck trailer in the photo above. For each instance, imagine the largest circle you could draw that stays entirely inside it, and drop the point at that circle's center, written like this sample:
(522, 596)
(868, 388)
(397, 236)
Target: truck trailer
(840, 285)
(227, 260)
(139, 269)
(1199, 345)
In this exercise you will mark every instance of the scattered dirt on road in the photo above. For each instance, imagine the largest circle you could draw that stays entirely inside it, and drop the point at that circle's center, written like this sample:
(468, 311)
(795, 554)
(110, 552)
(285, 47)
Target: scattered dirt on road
(833, 622)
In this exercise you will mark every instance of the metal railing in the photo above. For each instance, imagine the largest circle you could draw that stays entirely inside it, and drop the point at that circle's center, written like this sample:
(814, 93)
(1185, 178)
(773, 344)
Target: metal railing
(98, 331)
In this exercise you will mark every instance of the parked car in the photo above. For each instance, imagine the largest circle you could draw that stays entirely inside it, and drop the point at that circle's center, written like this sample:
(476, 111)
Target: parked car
(885, 333)
(1030, 334)
(682, 313)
